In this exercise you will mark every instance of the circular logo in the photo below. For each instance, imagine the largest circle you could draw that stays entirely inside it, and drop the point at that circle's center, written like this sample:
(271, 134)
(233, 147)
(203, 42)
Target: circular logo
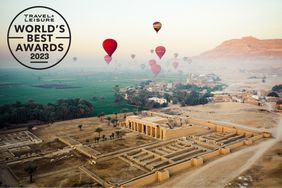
(39, 37)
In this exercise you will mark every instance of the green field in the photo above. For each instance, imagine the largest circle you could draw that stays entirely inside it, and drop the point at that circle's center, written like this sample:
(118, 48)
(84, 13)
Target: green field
(19, 85)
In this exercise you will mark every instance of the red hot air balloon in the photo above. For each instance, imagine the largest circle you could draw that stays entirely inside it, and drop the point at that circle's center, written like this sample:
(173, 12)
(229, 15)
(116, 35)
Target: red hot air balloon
(110, 45)
(157, 26)
(160, 51)
(152, 62)
(156, 69)
(108, 59)
(175, 64)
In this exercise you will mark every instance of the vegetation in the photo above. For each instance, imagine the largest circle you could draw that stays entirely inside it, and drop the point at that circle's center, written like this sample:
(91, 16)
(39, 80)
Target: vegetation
(30, 169)
(101, 116)
(139, 97)
(80, 127)
(30, 111)
(184, 94)
(114, 122)
(272, 94)
(190, 98)
(108, 118)
(191, 87)
(277, 88)
(99, 130)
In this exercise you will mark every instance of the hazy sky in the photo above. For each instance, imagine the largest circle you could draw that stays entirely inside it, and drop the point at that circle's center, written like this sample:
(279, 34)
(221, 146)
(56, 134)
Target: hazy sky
(190, 27)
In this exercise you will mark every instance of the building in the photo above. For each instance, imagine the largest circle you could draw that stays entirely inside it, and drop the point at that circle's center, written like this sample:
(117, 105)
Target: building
(161, 126)
(158, 100)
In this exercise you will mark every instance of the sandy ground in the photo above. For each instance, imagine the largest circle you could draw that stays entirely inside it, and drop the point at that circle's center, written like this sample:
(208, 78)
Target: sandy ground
(234, 113)
(266, 171)
(63, 178)
(220, 172)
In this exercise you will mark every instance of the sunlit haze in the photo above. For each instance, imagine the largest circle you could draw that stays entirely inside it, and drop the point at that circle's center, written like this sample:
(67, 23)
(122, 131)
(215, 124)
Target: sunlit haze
(189, 27)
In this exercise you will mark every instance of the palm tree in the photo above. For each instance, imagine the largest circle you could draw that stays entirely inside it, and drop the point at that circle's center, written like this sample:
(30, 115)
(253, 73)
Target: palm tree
(30, 169)
(109, 120)
(99, 130)
(114, 122)
(80, 126)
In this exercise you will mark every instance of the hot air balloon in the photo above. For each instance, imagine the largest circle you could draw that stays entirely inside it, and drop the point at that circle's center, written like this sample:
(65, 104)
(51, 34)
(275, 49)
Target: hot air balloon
(74, 58)
(132, 56)
(142, 66)
(108, 59)
(110, 45)
(157, 26)
(175, 55)
(160, 51)
(175, 64)
(155, 69)
(152, 51)
(152, 62)
(189, 61)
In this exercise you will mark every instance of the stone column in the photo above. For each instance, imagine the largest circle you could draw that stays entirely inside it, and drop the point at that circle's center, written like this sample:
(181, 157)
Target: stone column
(156, 132)
(164, 134)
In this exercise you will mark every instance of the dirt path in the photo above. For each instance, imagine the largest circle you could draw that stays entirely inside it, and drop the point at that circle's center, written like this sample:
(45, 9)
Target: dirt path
(219, 172)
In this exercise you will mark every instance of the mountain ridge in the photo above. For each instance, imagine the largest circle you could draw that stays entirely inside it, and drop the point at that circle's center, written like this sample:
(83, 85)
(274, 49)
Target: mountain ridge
(246, 47)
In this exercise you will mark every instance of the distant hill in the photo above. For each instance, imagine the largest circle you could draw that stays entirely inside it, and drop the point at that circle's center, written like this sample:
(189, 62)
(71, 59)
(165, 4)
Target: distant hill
(247, 47)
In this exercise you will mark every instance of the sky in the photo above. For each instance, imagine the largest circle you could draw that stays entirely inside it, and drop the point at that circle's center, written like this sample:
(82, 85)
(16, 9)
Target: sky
(190, 27)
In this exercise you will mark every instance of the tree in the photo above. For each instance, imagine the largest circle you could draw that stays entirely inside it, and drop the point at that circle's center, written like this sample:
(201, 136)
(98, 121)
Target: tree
(60, 110)
(101, 116)
(99, 130)
(112, 135)
(273, 94)
(80, 127)
(114, 122)
(30, 169)
(108, 118)
(277, 88)
(96, 139)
